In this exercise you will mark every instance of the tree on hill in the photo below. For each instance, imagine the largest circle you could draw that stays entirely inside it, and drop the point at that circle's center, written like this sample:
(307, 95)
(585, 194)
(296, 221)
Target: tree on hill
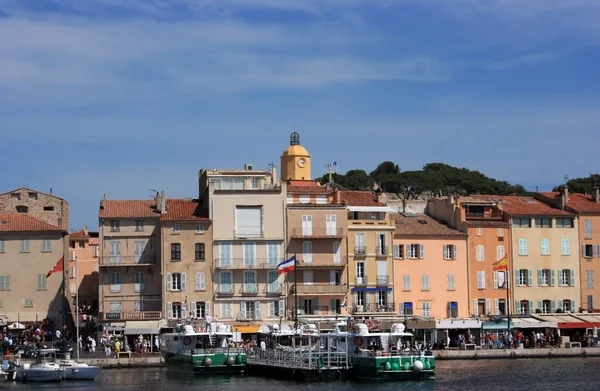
(434, 177)
(582, 185)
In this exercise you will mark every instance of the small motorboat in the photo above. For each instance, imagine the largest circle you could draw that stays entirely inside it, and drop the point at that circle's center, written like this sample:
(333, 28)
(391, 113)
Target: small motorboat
(39, 372)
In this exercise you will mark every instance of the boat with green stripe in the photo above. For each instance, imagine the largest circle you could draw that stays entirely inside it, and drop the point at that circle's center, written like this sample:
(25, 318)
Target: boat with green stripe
(203, 352)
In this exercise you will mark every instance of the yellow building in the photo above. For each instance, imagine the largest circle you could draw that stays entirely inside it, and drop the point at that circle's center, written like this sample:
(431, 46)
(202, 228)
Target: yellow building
(295, 161)
(370, 258)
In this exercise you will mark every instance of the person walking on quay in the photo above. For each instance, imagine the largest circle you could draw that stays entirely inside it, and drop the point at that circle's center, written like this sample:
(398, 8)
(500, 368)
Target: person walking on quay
(157, 343)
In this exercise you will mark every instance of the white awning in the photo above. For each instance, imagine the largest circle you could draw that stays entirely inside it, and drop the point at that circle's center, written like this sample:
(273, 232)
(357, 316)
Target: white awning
(142, 327)
(371, 209)
(456, 324)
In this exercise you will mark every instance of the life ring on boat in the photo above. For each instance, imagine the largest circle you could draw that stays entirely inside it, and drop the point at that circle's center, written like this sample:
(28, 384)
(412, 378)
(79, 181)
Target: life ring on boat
(187, 341)
(358, 341)
(370, 324)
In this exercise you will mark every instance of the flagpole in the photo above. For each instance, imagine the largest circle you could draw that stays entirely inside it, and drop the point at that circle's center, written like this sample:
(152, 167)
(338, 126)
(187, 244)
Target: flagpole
(77, 302)
(506, 281)
(295, 292)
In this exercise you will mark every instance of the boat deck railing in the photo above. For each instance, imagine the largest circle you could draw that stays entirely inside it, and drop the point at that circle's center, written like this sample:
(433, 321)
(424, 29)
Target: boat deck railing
(300, 358)
(227, 351)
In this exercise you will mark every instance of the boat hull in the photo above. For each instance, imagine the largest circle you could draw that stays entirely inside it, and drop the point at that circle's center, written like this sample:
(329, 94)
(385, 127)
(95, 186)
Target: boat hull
(197, 364)
(39, 375)
(393, 368)
(81, 373)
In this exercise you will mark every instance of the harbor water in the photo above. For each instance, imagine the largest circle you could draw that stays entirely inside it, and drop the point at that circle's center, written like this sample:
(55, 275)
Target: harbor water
(581, 374)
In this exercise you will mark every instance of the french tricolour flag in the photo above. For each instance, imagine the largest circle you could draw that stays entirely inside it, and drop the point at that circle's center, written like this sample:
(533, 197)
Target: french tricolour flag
(287, 266)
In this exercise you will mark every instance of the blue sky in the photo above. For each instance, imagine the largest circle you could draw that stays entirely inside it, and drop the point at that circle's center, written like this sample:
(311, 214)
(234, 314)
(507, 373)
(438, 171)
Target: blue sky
(118, 97)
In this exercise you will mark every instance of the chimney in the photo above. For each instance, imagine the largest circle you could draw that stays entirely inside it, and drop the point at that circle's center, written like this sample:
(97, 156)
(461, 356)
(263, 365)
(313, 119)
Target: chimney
(50, 190)
(163, 202)
(85, 230)
(564, 196)
(338, 197)
(596, 194)
(274, 175)
(102, 201)
(382, 198)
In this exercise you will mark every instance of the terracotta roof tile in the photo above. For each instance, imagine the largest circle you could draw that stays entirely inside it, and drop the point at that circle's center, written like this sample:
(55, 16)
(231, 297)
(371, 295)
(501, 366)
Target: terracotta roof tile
(420, 224)
(359, 198)
(19, 222)
(314, 189)
(183, 210)
(524, 206)
(81, 234)
(121, 209)
(577, 201)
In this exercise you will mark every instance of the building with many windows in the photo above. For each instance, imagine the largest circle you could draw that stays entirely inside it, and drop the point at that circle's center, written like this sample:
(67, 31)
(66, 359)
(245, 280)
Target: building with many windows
(83, 270)
(545, 255)
(131, 286)
(370, 260)
(187, 253)
(33, 241)
(247, 210)
(489, 241)
(587, 209)
(430, 268)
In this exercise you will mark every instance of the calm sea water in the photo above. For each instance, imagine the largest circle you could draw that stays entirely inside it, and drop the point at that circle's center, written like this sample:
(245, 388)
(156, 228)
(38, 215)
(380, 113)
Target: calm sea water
(491, 375)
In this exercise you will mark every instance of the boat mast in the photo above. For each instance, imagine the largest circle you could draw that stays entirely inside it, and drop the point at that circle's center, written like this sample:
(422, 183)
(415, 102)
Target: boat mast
(76, 303)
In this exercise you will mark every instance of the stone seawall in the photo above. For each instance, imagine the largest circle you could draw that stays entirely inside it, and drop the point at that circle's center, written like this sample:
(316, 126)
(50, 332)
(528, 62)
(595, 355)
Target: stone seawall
(484, 354)
(123, 362)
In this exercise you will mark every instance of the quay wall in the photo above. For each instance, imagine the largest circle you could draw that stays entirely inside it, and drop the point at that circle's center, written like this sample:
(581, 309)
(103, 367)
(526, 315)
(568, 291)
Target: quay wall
(113, 363)
(484, 354)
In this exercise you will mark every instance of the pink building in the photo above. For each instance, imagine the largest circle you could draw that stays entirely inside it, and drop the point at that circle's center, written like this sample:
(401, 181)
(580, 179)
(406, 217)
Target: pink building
(84, 248)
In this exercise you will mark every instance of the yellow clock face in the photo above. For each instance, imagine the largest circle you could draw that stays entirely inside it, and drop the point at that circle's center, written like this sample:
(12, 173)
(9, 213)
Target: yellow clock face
(301, 163)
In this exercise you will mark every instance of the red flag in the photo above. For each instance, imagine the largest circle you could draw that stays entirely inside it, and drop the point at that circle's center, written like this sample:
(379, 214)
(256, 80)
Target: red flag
(59, 267)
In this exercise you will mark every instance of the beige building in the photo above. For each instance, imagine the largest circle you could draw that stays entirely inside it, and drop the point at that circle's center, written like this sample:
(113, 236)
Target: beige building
(187, 259)
(33, 241)
(370, 261)
(131, 286)
(545, 255)
(247, 210)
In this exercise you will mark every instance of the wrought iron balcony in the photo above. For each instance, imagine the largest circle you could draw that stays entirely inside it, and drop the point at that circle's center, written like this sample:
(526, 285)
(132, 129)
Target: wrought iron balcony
(312, 310)
(246, 263)
(360, 280)
(249, 288)
(388, 308)
(317, 232)
(123, 316)
(360, 251)
(383, 280)
(225, 289)
(128, 260)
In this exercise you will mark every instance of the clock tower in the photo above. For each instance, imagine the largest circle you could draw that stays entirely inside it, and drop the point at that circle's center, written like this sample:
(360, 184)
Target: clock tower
(295, 161)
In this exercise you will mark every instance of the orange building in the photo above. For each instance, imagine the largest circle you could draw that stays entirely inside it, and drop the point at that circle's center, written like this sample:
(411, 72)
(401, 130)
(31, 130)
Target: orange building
(83, 274)
(489, 241)
(587, 209)
(430, 268)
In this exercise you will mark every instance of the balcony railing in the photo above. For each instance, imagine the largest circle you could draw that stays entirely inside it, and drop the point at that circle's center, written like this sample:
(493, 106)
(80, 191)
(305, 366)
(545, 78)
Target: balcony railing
(360, 280)
(122, 316)
(225, 289)
(484, 216)
(320, 289)
(360, 251)
(320, 262)
(318, 232)
(383, 280)
(128, 260)
(249, 289)
(313, 310)
(274, 289)
(245, 263)
(388, 308)
(381, 251)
